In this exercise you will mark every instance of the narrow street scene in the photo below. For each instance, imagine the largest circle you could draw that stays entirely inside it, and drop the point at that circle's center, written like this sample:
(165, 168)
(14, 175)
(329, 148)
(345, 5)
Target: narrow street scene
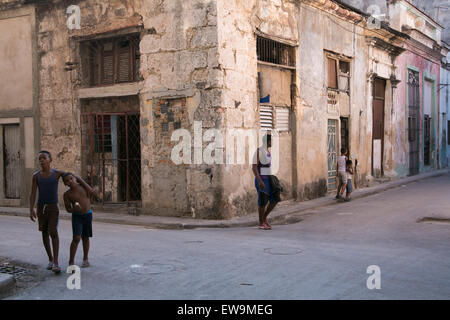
(404, 231)
(224, 149)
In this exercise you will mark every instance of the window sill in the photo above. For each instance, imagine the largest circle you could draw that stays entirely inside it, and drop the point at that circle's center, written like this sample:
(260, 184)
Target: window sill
(116, 90)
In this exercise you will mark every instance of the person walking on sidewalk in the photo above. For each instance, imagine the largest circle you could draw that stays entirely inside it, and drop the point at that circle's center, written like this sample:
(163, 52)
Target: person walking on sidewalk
(341, 174)
(46, 181)
(261, 170)
(349, 188)
(77, 201)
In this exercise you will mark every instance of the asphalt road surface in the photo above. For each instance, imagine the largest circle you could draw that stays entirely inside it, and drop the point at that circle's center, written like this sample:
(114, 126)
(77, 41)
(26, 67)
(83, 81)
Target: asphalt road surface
(325, 256)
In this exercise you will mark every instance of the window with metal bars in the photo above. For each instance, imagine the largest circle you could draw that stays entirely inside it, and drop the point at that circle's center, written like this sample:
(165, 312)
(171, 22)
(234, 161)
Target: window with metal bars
(112, 60)
(102, 131)
(275, 52)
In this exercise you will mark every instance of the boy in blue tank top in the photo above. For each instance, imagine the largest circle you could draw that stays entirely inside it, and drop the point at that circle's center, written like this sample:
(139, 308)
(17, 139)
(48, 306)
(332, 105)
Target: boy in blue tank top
(46, 182)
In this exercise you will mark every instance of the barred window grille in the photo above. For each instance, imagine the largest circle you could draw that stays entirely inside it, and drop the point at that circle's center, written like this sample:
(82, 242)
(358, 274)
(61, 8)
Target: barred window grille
(275, 52)
(282, 117)
(102, 131)
(266, 117)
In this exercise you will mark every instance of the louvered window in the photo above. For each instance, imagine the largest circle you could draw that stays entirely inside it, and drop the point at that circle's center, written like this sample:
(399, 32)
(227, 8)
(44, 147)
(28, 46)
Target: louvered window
(108, 63)
(113, 60)
(282, 123)
(266, 117)
(124, 72)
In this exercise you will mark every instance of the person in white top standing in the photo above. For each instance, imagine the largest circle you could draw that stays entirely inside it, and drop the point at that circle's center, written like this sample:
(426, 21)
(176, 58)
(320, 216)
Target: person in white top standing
(341, 173)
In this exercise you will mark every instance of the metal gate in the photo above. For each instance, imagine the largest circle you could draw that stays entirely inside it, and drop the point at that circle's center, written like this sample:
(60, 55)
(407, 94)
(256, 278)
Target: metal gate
(332, 154)
(11, 160)
(413, 121)
(111, 155)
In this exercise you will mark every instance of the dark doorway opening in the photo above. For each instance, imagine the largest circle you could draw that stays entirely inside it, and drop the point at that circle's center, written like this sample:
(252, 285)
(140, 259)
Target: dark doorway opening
(111, 155)
(11, 160)
(379, 89)
(345, 142)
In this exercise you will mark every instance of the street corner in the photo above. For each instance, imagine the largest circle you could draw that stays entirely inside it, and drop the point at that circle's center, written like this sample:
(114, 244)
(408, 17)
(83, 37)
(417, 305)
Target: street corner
(7, 284)
(16, 277)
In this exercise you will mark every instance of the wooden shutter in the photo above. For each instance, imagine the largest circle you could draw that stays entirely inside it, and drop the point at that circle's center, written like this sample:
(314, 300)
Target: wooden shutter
(94, 55)
(332, 73)
(282, 115)
(108, 63)
(124, 57)
(266, 117)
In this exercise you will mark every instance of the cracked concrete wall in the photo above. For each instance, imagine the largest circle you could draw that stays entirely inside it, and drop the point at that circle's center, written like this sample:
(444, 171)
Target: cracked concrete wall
(179, 60)
(19, 93)
(343, 36)
(237, 23)
(198, 63)
(183, 84)
(57, 45)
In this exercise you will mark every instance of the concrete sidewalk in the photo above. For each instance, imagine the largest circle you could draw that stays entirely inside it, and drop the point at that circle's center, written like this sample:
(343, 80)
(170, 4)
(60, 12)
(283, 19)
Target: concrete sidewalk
(286, 212)
(7, 284)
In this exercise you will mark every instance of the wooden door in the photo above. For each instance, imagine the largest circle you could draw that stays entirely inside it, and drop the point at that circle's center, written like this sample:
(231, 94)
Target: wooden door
(378, 127)
(12, 172)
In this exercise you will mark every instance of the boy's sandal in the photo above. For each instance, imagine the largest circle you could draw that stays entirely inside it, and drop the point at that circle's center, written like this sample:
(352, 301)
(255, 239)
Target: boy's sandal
(56, 269)
(50, 266)
(85, 264)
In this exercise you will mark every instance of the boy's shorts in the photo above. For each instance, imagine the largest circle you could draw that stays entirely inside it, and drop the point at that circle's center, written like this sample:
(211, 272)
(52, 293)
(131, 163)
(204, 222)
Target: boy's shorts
(82, 224)
(48, 217)
(265, 195)
(342, 176)
(349, 186)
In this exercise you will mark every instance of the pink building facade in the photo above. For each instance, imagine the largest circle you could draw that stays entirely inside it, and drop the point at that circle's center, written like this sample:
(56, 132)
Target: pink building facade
(416, 108)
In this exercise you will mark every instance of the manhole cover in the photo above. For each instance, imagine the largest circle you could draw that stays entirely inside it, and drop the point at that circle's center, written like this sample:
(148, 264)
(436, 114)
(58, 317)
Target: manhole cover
(282, 251)
(435, 220)
(193, 241)
(13, 270)
(344, 213)
(153, 268)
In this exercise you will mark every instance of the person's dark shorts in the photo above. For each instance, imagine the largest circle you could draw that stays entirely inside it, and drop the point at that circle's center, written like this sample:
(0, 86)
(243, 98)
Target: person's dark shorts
(48, 217)
(82, 224)
(349, 186)
(265, 195)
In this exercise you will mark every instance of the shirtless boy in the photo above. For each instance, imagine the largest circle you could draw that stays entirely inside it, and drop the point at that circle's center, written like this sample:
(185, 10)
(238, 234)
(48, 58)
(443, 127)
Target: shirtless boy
(77, 201)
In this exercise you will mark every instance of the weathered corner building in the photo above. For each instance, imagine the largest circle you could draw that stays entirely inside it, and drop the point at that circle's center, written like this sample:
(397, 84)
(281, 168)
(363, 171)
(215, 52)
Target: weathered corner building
(106, 98)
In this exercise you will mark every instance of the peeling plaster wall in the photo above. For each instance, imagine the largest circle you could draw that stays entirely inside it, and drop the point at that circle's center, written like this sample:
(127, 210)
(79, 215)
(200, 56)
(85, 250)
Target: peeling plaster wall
(445, 108)
(19, 94)
(237, 23)
(58, 102)
(381, 64)
(323, 31)
(179, 62)
(411, 58)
